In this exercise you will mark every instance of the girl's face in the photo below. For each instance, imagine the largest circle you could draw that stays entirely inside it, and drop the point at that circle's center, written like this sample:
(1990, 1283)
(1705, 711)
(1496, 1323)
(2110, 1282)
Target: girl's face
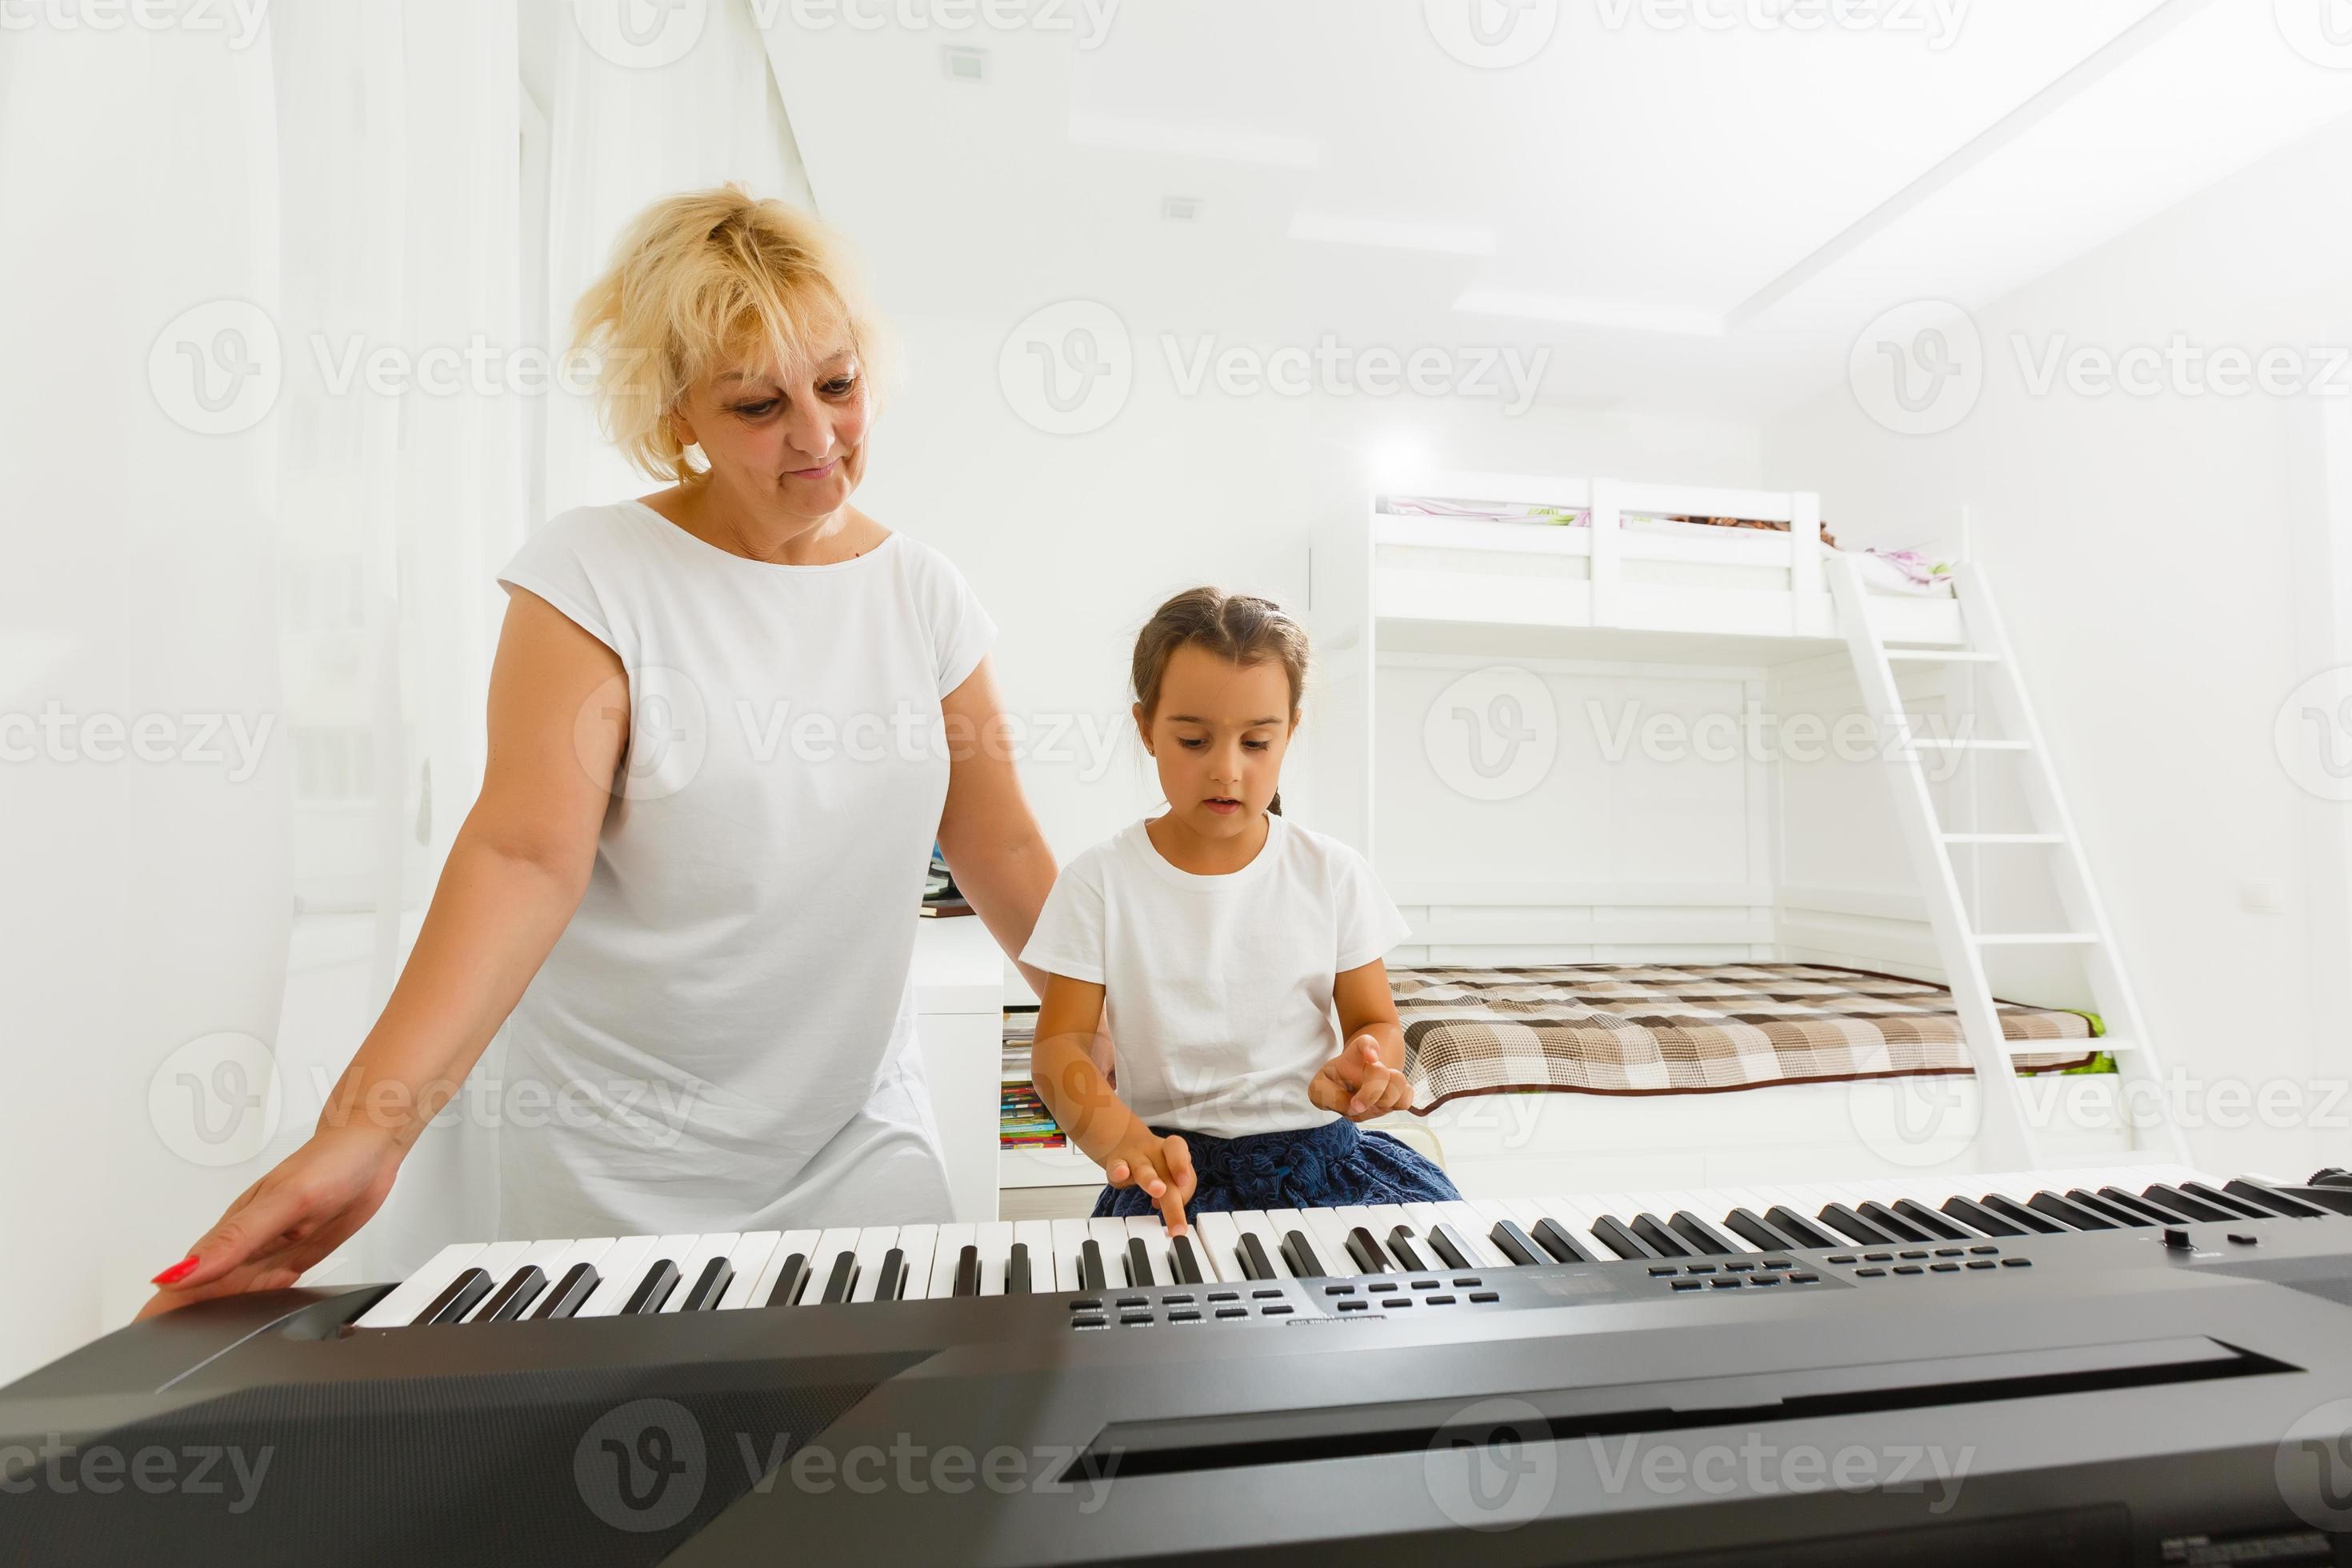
(1218, 736)
(784, 441)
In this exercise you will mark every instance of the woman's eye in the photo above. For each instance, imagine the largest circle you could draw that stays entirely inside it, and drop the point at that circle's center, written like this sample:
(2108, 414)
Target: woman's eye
(840, 386)
(757, 410)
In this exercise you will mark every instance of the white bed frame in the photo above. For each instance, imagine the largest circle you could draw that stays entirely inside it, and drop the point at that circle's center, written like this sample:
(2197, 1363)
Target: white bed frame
(1946, 854)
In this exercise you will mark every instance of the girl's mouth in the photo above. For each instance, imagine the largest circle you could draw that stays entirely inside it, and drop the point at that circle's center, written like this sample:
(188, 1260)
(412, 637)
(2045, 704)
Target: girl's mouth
(1223, 805)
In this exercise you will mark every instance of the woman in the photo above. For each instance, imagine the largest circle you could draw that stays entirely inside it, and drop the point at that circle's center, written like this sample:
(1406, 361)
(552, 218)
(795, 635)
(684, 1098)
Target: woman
(726, 723)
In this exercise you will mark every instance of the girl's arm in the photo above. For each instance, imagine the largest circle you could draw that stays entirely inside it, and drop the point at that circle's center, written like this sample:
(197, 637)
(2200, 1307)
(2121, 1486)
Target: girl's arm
(1367, 1078)
(1061, 1066)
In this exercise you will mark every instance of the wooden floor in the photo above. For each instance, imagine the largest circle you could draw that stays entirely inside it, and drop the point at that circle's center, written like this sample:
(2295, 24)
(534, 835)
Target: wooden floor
(1045, 1202)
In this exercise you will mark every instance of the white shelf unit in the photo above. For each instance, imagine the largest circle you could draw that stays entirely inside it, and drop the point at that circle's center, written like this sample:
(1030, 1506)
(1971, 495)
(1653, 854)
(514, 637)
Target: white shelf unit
(1624, 852)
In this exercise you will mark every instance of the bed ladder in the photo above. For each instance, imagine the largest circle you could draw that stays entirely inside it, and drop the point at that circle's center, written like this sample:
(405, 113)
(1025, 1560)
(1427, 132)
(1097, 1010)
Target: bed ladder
(2006, 1130)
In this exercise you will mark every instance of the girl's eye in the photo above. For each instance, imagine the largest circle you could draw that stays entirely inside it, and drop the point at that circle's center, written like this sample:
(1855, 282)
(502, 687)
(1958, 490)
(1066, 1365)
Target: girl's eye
(1257, 745)
(1191, 744)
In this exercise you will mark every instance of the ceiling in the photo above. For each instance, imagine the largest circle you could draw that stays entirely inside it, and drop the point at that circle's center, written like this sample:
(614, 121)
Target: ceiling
(1699, 219)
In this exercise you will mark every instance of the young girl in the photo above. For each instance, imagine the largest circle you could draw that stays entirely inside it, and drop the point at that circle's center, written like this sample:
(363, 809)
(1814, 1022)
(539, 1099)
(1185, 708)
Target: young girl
(1219, 939)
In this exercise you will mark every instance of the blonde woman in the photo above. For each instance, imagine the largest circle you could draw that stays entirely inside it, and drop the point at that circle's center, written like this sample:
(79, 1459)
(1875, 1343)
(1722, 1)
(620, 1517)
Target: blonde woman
(726, 722)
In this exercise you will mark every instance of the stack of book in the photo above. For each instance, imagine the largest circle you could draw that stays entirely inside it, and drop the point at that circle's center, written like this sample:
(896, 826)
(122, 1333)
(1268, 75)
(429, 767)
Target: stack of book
(1024, 1120)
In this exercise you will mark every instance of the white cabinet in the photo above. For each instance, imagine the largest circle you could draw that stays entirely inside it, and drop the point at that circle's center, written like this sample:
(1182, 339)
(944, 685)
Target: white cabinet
(960, 1020)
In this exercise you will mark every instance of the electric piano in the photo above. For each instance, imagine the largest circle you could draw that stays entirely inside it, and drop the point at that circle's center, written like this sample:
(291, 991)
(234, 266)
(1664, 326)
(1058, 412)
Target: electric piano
(2143, 1364)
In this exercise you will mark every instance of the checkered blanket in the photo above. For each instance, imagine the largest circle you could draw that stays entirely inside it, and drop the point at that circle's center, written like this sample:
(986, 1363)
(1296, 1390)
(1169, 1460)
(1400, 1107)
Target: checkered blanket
(1687, 1028)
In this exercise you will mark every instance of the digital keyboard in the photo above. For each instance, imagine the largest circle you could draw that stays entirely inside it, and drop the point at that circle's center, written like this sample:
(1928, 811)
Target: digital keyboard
(2132, 1365)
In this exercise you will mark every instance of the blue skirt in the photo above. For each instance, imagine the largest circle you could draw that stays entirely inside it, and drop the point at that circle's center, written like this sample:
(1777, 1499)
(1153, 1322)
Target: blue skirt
(1315, 1167)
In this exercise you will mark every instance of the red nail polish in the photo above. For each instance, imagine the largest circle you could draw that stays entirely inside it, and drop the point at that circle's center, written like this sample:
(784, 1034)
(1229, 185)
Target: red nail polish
(177, 1272)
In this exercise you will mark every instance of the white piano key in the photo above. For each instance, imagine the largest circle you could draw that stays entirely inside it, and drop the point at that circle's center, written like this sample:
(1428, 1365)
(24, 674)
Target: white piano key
(1565, 1213)
(501, 1261)
(412, 1295)
(873, 1243)
(793, 1243)
(750, 1260)
(1154, 1231)
(1381, 1219)
(1037, 1235)
(1328, 1233)
(918, 1242)
(994, 1238)
(1109, 1237)
(1282, 1222)
(1070, 1238)
(1221, 1240)
(831, 1243)
(1257, 1223)
(623, 1264)
(947, 1250)
(695, 1259)
(1467, 1223)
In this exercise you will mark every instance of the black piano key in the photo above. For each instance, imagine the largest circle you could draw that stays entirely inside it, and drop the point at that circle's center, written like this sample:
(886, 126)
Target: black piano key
(458, 1298)
(1514, 1244)
(1185, 1261)
(1660, 1240)
(515, 1297)
(2009, 1207)
(1799, 1230)
(1255, 1262)
(1367, 1252)
(1300, 1254)
(2072, 1215)
(1701, 1237)
(708, 1286)
(570, 1293)
(1928, 1220)
(1854, 1227)
(1091, 1273)
(653, 1290)
(1895, 1225)
(842, 1281)
(1447, 1243)
(2081, 1199)
(2270, 1197)
(2149, 1206)
(1976, 1216)
(2173, 1197)
(2206, 1193)
(1408, 1256)
(890, 1284)
(1749, 1226)
(1139, 1263)
(1016, 1269)
(791, 1280)
(1612, 1233)
(967, 1274)
(1553, 1238)
(2330, 1176)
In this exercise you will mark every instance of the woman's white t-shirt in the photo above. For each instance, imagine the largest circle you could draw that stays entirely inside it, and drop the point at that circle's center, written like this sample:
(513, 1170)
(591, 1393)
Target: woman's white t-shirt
(723, 1037)
(1217, 990)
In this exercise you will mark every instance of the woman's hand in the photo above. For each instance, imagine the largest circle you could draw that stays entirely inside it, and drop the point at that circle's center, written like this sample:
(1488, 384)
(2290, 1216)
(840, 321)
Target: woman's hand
(1359, 1085)
(309, 1204)
(1162, 1167)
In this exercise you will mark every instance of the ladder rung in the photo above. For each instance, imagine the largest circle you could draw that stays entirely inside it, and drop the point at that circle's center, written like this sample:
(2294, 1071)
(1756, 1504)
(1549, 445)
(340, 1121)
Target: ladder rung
(1949, 743)
(2066, 1047)
(1945, 656)
(2004, 839)
(2036, 939)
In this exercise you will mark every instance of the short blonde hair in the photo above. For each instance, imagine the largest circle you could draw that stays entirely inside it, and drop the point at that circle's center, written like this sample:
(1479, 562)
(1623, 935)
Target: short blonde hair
(708, 282)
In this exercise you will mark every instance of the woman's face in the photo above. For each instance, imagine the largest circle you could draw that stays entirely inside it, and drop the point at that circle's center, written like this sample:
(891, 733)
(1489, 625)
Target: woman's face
(784, 440)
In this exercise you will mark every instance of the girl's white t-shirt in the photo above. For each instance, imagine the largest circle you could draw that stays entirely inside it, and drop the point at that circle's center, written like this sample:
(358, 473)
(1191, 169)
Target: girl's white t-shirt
(723, 1036)
(1217, 990)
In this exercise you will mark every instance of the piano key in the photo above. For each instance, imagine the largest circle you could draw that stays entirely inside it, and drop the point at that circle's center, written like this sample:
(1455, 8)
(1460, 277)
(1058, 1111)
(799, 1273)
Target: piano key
(947, 1259)
(1661, 1237)
(498, 1260)
(1619, 1239)
(622, 1265)
(833, 1243)
(967, 1271)
(1188, 1260)
(709, 1287)
(745, 1264)
(1257, 1263)
(841, 1278)
(514, 1298)
(2072, 1215)
(1565, 1217)
(1800, 1231)
(1068, 1274)
(2206, 1192)
(1365, 1249)
(1381, 1220)
(653, 1290)
(1502, 1231)
(1700, 1237)
(1297, 1252)
(994, 1238)
(1139, 1272)
(1326, 1230)
(1753, 1229)
(1466, 1227)
(1092, 1274)
(1941, 1224)
(2106, 1210)
(459, 1297)
(915, 1243)
(2271, 1198)
(2159, 1213)
(1855, 1228)
(1263, 1261)
(1406, 1246)
(571, 1288)
(1872, 1211)
(1975, 1216)
(1221, 1238)
(1018, 1277)
(1152, 1232)
(2176, 1197)
(695, 1259)
(400, 1305)
(2023, 1213)
(875, 1244)
(1037, 1277)
(767, 1289)
(890, 1279)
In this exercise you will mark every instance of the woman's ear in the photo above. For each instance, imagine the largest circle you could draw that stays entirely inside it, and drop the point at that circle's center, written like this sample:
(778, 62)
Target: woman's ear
(1143, 730)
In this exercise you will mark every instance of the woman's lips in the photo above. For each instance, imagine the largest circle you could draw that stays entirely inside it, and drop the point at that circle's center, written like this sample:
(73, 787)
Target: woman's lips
(817, 473)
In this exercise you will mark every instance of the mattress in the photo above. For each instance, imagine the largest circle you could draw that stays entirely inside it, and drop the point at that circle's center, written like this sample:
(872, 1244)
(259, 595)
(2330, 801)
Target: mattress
(1690, 1028)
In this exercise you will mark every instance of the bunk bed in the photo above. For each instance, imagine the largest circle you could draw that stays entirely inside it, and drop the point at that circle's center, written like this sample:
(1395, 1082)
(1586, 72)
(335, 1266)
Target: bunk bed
(1874, 969)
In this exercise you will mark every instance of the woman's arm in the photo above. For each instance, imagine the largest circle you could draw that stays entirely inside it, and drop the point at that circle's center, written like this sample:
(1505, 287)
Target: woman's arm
(1367, 1078)
(986, 832)
(559, 722)
(1062, 1068)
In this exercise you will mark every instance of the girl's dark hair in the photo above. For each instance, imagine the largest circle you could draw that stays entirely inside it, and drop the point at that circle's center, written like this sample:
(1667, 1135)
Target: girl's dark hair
(1239, 627)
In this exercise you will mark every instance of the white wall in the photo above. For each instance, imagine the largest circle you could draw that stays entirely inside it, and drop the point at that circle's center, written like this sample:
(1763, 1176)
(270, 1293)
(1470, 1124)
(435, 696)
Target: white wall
(2143, 553)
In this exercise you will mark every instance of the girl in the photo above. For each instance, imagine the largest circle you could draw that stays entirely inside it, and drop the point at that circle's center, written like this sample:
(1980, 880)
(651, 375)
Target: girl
(1219, 939)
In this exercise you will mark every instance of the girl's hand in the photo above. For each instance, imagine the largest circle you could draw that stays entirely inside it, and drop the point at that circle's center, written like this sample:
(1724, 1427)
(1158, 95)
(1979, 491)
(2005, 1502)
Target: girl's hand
(1357, 1084)
(1162, 1167)
(309, 1204)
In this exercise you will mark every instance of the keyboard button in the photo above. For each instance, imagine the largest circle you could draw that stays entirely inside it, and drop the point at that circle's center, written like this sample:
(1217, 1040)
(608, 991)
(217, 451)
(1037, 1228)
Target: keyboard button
(1484, 1295)
(1982, 1263)
(1439, 1300)
(1233, 1311)
(2017, 1263)
(1688, 1284)
(1804, 1278)
(1867, 1274)
(1906, 1268)
(1944, 1267)
(1357, 1306)
(1192, 1316)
